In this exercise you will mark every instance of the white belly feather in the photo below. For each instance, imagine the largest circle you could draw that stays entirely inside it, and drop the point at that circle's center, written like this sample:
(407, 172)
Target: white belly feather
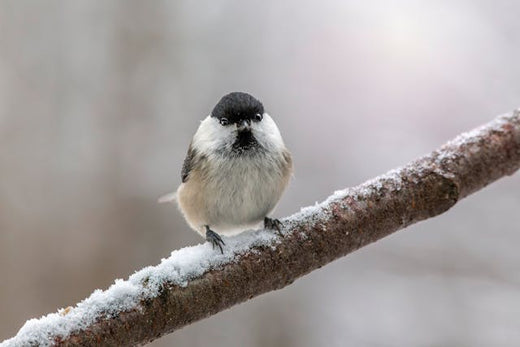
(240, 194)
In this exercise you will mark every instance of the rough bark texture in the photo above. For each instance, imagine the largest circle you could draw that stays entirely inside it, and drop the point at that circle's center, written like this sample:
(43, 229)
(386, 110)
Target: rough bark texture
(362, 215)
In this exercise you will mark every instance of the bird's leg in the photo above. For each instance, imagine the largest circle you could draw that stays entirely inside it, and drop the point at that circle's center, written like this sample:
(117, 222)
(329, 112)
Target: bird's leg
(273, 224)
(214, 238)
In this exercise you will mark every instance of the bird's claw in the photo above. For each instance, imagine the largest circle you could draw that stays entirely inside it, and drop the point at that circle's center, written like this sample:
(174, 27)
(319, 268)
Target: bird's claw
(273, 224)
(214, 238)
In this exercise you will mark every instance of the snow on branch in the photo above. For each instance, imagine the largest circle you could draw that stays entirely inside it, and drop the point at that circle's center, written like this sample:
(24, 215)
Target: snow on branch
(196, 282)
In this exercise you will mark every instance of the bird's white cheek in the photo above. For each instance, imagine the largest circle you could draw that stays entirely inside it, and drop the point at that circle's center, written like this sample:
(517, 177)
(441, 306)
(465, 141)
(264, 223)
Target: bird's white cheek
(267, 133)
(211, 136)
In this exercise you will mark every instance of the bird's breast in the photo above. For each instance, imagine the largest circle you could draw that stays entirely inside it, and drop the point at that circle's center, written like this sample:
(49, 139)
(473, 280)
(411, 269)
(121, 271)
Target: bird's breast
(243, 191)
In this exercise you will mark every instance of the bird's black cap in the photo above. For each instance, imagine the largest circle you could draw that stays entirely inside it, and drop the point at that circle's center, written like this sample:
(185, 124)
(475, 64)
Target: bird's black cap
(237, 106)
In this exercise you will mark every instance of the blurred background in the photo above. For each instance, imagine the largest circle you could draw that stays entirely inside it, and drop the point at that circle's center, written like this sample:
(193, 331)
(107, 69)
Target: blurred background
(99, 100)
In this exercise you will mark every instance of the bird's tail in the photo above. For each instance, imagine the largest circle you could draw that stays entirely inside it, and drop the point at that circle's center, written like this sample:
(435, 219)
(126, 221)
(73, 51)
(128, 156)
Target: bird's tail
(170, 197)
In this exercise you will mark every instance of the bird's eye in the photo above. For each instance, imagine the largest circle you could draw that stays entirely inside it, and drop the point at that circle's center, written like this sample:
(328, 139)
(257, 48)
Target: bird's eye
(224, 121)
(258, 117)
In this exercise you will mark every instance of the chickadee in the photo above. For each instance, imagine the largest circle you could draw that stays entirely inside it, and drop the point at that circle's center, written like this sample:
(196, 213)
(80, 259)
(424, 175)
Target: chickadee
(236, 170)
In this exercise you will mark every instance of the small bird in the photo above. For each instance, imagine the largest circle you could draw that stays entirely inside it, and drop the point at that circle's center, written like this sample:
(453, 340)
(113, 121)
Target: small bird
(236, 170)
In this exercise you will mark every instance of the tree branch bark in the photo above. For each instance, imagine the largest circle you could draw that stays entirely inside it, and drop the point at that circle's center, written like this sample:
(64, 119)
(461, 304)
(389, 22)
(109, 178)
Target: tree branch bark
(315, 236)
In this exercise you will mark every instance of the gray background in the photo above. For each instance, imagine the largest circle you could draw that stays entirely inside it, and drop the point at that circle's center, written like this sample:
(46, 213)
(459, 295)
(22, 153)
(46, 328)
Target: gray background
(99, 100)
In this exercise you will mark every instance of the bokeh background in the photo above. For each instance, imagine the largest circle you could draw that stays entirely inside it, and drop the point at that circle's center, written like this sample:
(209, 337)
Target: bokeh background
(99, 100)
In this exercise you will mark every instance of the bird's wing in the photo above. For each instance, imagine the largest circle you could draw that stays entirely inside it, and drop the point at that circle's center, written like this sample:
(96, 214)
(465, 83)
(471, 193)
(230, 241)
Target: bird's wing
(188, 164)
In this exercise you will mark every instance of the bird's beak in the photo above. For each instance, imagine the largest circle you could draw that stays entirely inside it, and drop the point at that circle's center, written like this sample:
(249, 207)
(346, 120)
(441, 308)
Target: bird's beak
(244, 124)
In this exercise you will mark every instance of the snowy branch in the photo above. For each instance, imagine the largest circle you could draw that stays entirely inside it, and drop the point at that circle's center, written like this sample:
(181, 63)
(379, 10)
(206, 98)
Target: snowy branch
(197, 282)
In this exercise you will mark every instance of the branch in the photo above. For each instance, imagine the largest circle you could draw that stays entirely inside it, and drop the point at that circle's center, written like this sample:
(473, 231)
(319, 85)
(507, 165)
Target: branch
(197, 282)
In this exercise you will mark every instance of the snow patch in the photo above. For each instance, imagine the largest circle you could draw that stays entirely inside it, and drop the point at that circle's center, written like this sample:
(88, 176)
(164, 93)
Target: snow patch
(182, 266)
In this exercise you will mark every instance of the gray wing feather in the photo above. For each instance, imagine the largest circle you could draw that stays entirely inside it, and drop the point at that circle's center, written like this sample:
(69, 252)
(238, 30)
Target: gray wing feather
(188, 164)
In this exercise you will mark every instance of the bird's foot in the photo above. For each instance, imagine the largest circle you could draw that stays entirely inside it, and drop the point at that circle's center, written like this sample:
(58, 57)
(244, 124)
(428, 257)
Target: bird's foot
(214, 238)
(273, 224)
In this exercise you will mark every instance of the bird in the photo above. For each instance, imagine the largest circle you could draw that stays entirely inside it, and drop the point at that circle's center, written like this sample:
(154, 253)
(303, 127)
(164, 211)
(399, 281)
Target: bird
(235, 171)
